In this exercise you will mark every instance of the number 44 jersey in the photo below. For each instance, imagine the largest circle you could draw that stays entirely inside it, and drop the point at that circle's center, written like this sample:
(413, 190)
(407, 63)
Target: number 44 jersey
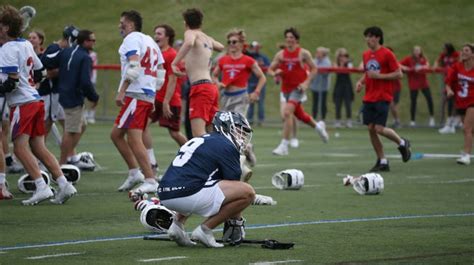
(137, 43)
(200, 162)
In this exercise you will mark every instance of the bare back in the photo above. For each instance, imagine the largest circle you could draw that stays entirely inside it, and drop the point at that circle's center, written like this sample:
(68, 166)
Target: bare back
(198, 59)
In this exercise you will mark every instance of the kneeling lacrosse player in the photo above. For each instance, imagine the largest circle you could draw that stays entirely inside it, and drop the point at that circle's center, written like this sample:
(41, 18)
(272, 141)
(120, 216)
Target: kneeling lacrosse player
(367, 184)
(204, 179)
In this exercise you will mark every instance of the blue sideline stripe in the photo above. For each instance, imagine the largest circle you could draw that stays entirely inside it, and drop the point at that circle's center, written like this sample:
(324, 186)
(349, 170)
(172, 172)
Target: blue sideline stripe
(258, 226)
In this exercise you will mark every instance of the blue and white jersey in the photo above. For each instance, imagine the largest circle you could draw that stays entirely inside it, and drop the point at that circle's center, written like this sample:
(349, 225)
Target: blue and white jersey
(18, 57)
(200, 162)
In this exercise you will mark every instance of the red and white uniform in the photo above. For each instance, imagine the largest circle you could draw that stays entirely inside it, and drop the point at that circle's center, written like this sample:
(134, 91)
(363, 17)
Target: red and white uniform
(27, 111)
(137, 43)
(416, 80)
(169, 55)
(294, 71)
(18, 56)
(462, 83)
(236, 72)
(382, 61)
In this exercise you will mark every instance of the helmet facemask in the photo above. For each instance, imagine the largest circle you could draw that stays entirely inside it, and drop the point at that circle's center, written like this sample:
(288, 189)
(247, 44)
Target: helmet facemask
(235, 127)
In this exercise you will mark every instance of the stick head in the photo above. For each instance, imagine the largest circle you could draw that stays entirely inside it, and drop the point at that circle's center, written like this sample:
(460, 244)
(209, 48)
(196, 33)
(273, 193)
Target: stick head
(273, 244)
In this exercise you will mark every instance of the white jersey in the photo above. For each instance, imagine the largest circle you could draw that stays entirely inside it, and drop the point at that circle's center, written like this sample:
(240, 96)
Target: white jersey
(18, 56)
(137, 43)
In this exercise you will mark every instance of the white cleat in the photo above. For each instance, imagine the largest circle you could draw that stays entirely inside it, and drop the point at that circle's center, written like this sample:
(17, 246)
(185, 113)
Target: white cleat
(281, 150)
(321, 130)
(131, 181)
(294, 143)
(465, 159)
(39, 196)
(207, 239)
(447, 130)
(64, 194)
(432, 122)
(146, 187)
(178, 235)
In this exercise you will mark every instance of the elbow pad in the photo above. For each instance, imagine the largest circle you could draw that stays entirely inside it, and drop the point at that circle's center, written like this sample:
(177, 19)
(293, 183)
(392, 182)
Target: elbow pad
(160, 78)
(133, 71)
(9, 85)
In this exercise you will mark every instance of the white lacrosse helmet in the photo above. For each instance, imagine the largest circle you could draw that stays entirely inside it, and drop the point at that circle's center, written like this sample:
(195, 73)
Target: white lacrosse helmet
(71, 172)
(368, 184)
(289, 179)
(156, 218)
(26, 183)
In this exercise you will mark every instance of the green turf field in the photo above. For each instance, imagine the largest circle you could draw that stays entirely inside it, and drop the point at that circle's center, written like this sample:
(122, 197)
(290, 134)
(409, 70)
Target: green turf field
(425, 215)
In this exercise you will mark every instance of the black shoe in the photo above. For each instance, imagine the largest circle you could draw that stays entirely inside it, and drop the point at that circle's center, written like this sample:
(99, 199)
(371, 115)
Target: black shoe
(380, 167)
(405, 150)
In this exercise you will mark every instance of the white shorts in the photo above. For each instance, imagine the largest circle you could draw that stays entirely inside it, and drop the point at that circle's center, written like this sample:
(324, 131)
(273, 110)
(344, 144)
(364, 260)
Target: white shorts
(237, 103)
(52, 109)
(4, 109)
(207, 202)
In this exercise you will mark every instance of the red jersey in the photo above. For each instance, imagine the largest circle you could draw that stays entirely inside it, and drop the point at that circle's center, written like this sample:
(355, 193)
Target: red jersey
(416, 80)
(175, 100)
(462, 83)
(294, 71)
(236, 72)
(445, 60)
(383, 61)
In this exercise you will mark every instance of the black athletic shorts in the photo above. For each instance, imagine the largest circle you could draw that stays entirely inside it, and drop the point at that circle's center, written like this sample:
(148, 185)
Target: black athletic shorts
(375, 112)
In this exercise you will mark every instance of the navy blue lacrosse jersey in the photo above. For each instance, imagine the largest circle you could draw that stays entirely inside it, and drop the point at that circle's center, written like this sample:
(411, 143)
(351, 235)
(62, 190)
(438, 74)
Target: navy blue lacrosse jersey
(202, 161)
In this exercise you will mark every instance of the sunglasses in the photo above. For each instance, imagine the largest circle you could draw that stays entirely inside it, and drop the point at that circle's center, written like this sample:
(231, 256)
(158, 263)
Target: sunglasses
(233, 42)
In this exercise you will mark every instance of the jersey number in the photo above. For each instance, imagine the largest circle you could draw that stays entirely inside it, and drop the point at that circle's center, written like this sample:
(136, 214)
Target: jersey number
(464, 88)
(186, 151)
(150, 62)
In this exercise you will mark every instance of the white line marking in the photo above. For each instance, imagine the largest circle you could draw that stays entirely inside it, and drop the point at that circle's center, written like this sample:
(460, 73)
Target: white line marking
(56, 255)
(161, 259)
(276, 262)
(419, 177)
(300, 164)
(334, 221)
(3, 252)
(273, 188)
(450, 181)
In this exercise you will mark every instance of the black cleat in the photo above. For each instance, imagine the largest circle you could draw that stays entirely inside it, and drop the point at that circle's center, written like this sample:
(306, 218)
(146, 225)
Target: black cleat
(380, 167)
(405, 150)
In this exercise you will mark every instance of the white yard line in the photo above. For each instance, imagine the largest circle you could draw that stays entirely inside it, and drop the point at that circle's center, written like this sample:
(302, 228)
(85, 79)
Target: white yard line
(276, 262)
(55, 255)
(162, 259)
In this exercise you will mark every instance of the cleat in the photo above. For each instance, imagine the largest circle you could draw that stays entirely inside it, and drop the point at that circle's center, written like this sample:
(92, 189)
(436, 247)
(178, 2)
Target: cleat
(281, 150)
(146, 187)
(321, 130)
(378, 167)
(405, 150)
(207, 239)
(64, 194)
(5, 193)
(131, 181)
(447, 130)
(465, 159)
(177, 234)
(432, 122)
(39, 196)
(294, 143)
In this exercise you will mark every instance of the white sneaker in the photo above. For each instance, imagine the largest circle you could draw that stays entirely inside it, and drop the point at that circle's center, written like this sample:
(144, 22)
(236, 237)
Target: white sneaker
(263, 200)
(349, 124)
(432, 122)
(465, 159)
(412, 124)
(178, 235)
(64, 194)
(146, 187)
(5, 193)
(447, 130)
(39, 196)
(321, 130)
(337, 124)
(207, 239)
(131, 181)
(294, 143)
(281, 150)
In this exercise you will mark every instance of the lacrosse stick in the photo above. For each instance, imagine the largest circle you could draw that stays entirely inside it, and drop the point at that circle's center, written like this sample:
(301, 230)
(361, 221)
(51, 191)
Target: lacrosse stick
(27, 13)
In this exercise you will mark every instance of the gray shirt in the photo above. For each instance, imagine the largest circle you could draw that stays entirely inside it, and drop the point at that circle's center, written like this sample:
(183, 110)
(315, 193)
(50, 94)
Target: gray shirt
(321, 81)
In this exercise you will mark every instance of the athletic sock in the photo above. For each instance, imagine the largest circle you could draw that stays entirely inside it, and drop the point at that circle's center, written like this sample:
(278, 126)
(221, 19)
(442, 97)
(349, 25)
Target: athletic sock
(62, 182)
(133, 171)
(8, 159)
(40, 183)
(2, 178)
(150, 180)
(285, 142)
(151, 156)
(402, 142)
(383, 161)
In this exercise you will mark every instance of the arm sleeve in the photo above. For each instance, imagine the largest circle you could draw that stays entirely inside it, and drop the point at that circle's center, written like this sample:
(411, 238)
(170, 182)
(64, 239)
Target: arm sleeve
(86, 85)
(131, 46)
(9, 62)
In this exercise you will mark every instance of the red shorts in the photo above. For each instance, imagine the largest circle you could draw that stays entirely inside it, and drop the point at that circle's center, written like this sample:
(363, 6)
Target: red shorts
(172, 123)
(134, 114)
(203, 102)
(27, 119)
